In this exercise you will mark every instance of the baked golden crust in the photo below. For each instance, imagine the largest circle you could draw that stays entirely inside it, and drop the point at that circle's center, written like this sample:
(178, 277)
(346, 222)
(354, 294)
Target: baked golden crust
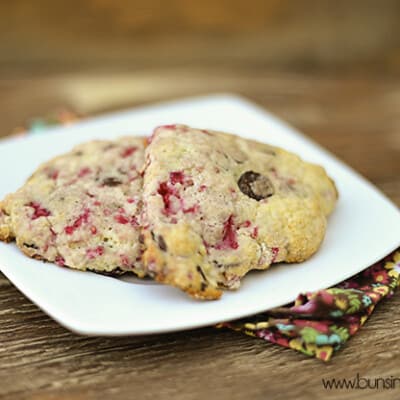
(6, 234)
(81, 209)
(206, 208)
(217, 206)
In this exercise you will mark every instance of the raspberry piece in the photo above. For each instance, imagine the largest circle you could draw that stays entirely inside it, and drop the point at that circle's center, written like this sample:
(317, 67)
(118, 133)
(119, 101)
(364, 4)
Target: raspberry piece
(275, 252)
(128, 151)
(202, 188)
(54, 175)
(134, 221)
(124, 260)
(229, 240)
(38, 211)
(82, 219)
(177, 177)
(121, 219)
(83, 172)
(191, 210)
(245, 224)
(96, 252)
(59, 260)
(167, 193)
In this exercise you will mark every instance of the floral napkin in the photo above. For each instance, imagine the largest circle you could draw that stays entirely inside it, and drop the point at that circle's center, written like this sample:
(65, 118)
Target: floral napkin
(317, 323)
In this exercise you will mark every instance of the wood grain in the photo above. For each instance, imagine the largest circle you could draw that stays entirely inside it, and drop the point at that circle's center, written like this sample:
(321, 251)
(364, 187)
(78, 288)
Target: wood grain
(41, 360)
(44, 36)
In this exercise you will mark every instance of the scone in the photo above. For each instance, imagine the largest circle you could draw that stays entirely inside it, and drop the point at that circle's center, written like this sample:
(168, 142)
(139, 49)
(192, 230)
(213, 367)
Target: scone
(217, 206)
(82, 209)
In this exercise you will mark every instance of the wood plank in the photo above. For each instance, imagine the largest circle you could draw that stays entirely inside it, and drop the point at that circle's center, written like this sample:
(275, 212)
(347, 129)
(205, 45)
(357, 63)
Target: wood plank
(309, 35)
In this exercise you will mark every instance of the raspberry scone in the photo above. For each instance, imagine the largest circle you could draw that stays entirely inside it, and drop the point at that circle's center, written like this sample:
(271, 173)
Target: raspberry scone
(81, 209)
(217, 206)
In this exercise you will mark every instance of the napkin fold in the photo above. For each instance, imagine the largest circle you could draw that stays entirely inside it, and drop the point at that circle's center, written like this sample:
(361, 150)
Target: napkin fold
(317, 323)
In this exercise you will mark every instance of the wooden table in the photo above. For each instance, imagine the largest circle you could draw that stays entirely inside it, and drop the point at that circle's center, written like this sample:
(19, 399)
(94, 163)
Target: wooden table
(357, 117)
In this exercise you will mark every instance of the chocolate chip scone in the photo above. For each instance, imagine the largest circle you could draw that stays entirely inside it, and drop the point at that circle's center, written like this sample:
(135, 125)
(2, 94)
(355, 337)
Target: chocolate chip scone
(217, 206)
(81, 209)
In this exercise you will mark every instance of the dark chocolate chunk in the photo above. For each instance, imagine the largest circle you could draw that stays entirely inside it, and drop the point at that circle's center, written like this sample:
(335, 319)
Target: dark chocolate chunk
(111, 181)
(217, 264)
(31, 246)
(161, 243)
(200, 271)
(255, 185)
(114, 273)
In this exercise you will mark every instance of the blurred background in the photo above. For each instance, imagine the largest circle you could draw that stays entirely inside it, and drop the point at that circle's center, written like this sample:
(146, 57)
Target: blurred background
(331, 68)
(47, 36)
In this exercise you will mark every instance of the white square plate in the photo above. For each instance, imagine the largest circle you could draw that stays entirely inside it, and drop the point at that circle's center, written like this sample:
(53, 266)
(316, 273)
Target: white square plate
(364, 228)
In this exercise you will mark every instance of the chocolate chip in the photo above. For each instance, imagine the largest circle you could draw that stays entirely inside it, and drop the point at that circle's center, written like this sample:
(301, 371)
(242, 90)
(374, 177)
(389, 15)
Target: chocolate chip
(161, 243)
(31, 246)
(200, 271)
(225, 266)
(78, 153)
(114, 273)
(111, 181)
(203, 286)
(255, 185)
(217, 264)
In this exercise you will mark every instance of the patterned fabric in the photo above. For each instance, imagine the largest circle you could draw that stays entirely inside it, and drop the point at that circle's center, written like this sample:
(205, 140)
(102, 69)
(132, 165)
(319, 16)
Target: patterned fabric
(318, 323)
(38, 125)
